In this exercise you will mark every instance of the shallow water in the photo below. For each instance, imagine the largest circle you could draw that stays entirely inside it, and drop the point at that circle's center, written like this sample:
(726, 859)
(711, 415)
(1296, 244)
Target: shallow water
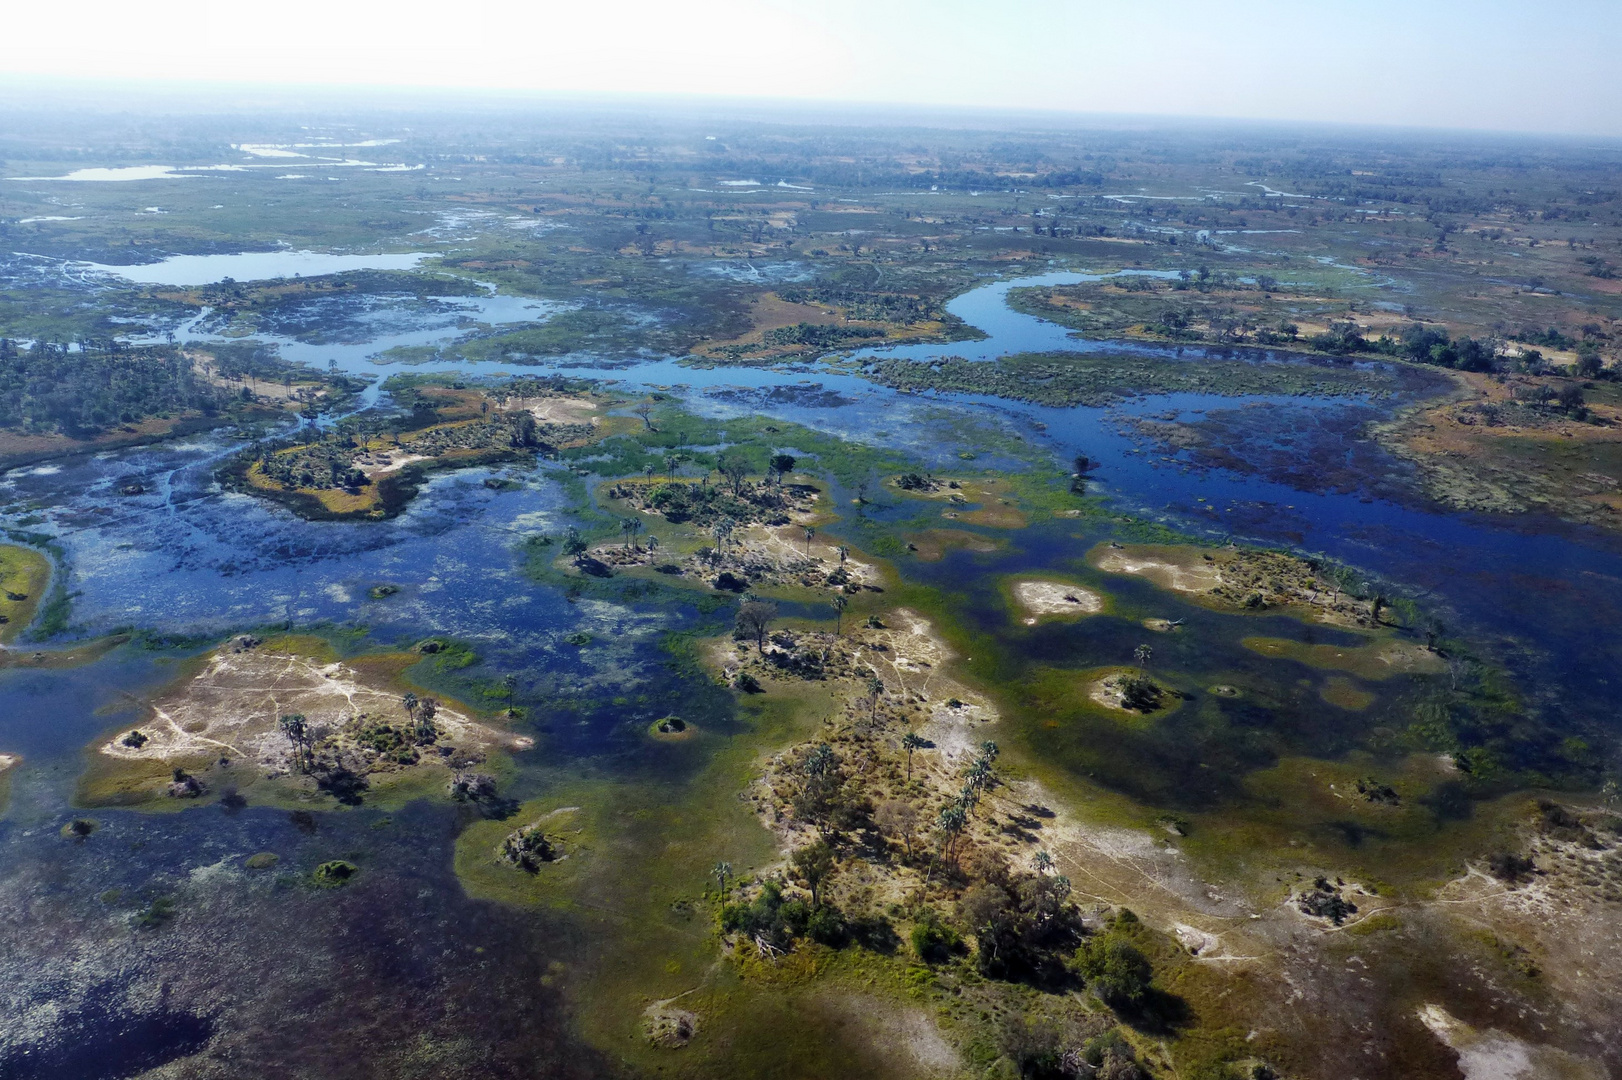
(239, 561)
(185, 271)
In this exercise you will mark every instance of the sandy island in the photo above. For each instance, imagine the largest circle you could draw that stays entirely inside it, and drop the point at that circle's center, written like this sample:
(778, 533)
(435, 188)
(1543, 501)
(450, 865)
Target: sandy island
(1055, 598)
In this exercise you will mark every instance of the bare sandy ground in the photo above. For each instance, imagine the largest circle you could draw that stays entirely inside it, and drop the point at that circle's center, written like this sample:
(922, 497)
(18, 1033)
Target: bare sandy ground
(557, 410)
(1495, 1055)
(1040, 598)
(383, 462)
(233, 707)
(1190, 577)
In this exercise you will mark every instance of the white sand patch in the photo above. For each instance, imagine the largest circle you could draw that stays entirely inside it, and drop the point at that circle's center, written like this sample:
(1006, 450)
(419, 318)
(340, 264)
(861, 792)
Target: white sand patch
(555, 410)
(1110, 692)
(787, 546)
(383, 462)
(1039, 598)
(9, 761)
(1495, 1055)
(1189, 579)
(1195, 940)
(1114, 865)
(233, 706)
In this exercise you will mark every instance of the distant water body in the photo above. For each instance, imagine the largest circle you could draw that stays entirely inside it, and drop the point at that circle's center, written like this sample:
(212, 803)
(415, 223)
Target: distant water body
(184, 271)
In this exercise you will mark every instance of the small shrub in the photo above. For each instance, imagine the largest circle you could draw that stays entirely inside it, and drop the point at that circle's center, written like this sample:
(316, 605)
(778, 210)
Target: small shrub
(332, 874)
(932, 939)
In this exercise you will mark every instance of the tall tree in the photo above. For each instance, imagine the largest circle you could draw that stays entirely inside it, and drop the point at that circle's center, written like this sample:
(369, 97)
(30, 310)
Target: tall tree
(297, 731)
(814, 863)
(754, 619)
(909, 742)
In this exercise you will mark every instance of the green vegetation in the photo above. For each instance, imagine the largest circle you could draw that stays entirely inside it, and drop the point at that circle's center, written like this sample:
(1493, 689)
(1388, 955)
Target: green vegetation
(81, 395)
(334, 873)
(1068, 379)
(24, 576)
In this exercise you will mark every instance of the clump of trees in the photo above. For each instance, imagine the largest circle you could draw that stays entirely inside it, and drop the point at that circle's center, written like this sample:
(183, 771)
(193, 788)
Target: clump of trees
(91, 390)
(1114, 968)
(529, 847)
(820, 336)
(1324, 901)
(772, 921)
(316, 460)
(1023, 923)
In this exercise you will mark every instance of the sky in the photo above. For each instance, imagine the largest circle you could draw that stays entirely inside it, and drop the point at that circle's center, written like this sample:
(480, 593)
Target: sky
(1541, 66)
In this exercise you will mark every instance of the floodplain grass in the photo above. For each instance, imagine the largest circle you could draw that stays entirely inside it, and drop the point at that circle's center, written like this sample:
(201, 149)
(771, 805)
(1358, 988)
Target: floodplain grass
(25, 578)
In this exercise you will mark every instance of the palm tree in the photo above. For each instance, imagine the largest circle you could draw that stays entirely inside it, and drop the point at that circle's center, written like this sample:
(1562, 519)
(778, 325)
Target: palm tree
(840, 603)
(1042, 861)
(722, 871)
(1142, 653)
(875, 689)
(821, 761)
(979, 776)
(989, 751)
(427, 709)
(410, 703)
(844, 553)
(953, 820)
(809, 533)
(575, 545)
(510, 682)
(298, 733)
(909, 742)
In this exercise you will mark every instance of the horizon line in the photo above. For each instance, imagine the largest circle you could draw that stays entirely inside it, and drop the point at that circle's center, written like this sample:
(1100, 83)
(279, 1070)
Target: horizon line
(87, 95)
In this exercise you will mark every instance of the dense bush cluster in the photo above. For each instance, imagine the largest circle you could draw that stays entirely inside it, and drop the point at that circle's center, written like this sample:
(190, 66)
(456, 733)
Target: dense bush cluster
(82, 394)
(819, 336)
(874, 306)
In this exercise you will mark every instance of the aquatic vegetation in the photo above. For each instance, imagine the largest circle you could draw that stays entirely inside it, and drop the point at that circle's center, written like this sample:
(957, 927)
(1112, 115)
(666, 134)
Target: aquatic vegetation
(1374, 660)
(1096, 379)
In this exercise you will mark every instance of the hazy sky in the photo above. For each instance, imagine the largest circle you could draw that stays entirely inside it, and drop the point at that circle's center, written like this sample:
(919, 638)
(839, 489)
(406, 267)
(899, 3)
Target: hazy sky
(1520, 65)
